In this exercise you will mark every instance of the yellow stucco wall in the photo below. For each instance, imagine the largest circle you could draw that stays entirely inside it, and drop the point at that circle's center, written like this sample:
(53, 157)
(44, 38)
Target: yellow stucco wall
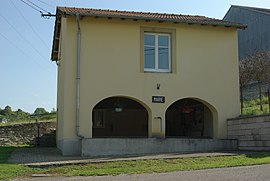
(205, 68)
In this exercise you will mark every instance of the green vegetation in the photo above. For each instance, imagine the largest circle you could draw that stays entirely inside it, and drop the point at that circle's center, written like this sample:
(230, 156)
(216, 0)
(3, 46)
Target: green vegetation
(252, 107)
(9, 117)
(161, 165)
(9, 171)
(5, 153)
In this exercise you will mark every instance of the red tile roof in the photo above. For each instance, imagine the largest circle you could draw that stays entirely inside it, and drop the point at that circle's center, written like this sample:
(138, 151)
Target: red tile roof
(176, 18)
(145, 16)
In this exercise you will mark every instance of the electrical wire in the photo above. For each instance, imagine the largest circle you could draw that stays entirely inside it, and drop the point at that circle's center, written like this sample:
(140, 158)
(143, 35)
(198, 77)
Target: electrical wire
(46, 4)
(29, 57)
(29, 24)
(22, 37)
(31, 6)
(37, 6)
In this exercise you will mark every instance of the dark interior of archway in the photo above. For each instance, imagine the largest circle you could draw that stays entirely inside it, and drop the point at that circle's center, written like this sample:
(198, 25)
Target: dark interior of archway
(186, 118)
(119, 117)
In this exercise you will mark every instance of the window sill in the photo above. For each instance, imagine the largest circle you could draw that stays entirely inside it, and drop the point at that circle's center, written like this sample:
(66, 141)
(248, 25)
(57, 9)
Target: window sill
(152, 71)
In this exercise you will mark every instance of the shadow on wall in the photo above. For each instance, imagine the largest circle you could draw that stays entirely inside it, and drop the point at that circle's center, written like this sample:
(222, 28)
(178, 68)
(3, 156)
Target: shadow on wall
(119, 117)
(189, 118)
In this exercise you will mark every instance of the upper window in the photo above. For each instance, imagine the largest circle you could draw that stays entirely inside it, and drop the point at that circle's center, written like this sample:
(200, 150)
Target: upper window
(157, 52)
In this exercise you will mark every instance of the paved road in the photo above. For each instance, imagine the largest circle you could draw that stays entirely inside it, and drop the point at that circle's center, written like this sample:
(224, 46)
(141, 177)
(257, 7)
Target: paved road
(250, 173)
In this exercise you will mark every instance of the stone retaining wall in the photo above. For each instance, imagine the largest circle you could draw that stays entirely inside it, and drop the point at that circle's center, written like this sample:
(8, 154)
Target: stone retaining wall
(24, 133)
(252, 133)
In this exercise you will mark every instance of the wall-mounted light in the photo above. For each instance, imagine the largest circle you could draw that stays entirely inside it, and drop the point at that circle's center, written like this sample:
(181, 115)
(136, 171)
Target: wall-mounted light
(158, 86)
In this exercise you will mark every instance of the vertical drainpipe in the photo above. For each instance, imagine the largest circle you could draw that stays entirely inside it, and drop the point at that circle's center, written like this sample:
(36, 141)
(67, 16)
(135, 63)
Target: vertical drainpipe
(78, 77)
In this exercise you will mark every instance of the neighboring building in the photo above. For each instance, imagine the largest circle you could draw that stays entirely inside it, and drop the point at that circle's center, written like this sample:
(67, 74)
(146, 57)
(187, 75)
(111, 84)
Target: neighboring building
(257, 34)
(255, 37)
(127, 78)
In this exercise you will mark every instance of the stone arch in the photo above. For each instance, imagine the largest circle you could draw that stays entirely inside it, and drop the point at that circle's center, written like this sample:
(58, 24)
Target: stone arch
(191, 118)
(120, 117)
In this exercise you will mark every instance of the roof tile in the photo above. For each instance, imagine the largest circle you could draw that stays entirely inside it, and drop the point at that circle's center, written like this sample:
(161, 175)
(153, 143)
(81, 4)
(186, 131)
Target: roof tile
(177, 18)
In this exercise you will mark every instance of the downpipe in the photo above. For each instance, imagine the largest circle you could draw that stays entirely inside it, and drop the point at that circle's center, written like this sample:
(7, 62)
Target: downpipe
(78, 77)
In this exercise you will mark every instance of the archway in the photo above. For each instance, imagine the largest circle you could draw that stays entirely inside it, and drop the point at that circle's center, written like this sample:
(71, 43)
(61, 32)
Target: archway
(189, 118)
(119, 117)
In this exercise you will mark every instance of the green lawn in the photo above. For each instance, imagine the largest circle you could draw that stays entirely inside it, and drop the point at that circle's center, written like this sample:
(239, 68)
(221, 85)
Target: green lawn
(252, 107)
(8, 171)
(255, 110)
(161, 165)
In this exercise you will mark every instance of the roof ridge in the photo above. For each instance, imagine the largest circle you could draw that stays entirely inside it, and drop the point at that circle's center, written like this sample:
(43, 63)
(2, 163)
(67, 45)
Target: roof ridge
(132, 11)
(257, 9)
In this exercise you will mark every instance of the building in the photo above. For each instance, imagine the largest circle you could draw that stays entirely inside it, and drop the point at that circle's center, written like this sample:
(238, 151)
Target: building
(256, 36)
(134, 82)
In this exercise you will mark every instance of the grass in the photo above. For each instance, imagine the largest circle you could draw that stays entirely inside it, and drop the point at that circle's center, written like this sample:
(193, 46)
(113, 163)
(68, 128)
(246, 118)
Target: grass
(9, 171)
(255, 110)
(25, 122)
(5, 153)
(19, 118)
(161, 165)
(252, 107)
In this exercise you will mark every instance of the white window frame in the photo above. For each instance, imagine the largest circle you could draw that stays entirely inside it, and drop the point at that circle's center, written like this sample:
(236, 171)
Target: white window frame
(156, 69)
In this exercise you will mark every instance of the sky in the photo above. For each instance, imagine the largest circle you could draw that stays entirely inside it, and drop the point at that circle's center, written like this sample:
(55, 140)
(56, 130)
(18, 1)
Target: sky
(28, 78)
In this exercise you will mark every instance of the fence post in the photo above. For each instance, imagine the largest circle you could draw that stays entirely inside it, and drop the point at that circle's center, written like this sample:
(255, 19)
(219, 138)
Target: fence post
(268, 94)
(37, 132)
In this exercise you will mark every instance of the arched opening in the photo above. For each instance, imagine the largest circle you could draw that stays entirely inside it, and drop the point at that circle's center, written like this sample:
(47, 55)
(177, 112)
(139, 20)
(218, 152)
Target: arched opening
(189, 118)
(119, 117)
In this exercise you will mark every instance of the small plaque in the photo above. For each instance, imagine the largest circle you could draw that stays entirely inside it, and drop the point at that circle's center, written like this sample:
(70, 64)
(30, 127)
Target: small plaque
(158, 99)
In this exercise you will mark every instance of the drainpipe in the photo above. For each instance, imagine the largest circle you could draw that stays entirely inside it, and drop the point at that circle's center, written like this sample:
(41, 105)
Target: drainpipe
(78, 78)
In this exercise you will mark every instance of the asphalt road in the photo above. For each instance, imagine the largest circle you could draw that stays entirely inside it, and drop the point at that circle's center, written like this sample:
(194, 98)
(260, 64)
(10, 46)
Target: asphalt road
(249, 173)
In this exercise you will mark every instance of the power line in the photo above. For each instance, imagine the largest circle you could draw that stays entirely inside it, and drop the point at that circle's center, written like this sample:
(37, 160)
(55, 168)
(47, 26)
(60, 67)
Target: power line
(22, 37)
(46, 4)
(30, 58)
(31, 6)
(45, 15)
(29, 24)
(37, 6)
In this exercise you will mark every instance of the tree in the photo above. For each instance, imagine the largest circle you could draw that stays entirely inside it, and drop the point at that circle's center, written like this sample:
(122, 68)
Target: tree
(261, 70)
(245, 72)
(40, 110)
(21, 115)
(7, 111)
(53, 110)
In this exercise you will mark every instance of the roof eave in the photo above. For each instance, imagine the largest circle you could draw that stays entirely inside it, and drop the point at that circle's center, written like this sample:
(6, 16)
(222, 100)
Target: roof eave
(240, 26)
(56, 37)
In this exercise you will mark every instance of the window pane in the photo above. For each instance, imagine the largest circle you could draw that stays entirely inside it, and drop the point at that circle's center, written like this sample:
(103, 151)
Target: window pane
(163, 40)
(163, 58)
(149, 57)
(149, 40)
